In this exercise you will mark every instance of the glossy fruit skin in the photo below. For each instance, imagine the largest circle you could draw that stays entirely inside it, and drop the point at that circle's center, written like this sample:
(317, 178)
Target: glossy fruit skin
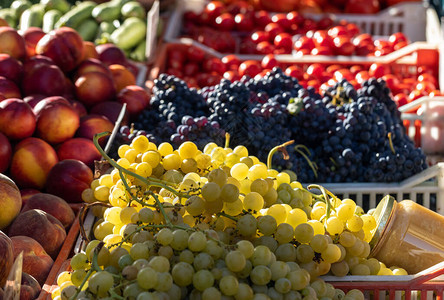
(362, 7)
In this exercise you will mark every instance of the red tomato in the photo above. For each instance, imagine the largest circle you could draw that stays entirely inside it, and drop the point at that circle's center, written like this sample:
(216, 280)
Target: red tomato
(195, 54)
(426, 86)
(261, 18)
(400, 99)
(333, 68)
(294, 71)
(295, 17)
(362, 38)
(174, 72)
(283, 40)
(304, 43)
(260, 36)
(314, 83)
(362, 7)
(353, 29)
(364, 49)
(428, 77)
(397, 37)
(338, 31)
(250, 68)
(392, 82)
(343, 74)
(436, 93)
(176, 54)
(315, 70)
(303, 52)
(355, 69)
(325, 23)
(343, 46)
(190, 68)
(362, 76)
(273, 29)
(225, 22)
(244, 22)
(416, 94)
(269, 62)
(321, 51)
(322, 39)
(231, 75)
(281, 20)
(399, 45)
(265, 48)
(214, 9)
(214, 65)
(175, 64)
(378, 70)
(231, 62)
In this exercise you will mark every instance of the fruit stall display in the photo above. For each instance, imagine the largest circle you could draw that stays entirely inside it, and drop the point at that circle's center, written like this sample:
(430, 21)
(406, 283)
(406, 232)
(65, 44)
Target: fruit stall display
(237, 28)
(120, 22)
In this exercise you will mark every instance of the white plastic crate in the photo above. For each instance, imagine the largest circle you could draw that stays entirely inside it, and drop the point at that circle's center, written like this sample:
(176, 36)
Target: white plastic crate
(413, 19)
(425, 188)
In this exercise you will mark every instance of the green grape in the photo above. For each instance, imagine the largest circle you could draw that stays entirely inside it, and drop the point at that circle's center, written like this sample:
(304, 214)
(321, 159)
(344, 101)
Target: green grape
(240, 150)
(211, 191)
(139, 250)
(188, 150)
(197, 241)
(147, 278)
(360, 269)
(173, 176)
(218, 176)
(284, 233)
(186, 256)
(79, 261)
(267, 225)
(246, 247)
(142, 236)
(286, 252)
(180, 239)
(211, 293)
(257, 171)
(318, 212)
(203, 261)
(126, 213)
(345, 211)
(214, 249)
(203, 279)
(279, 269)
(125, 260)
(296, 216)
(354, 294)
(231, 160)
(229, 193)
(347, 239)
(160, 264)
(299, 279)
(103, 229)
(334, 226)
(182, 273)
(320, 287)
(188, 165)
(340, 269)
(130, 272)
(253, 202)
(355, 223)
(77, 277)
(100, 282)
(331, 254)
(239, 171)
(259, 186)
(247, 225)
(356, 249)
(195, 205)
(284, 196)
(164, 282)
(261, 256)
(278, 212)
(164, 236)
(235, 260)
(319, 243)
(304, 253)
(373, 265)
(229, 285)
(303, 233)
(244, 292)
(171, 161)
(260, 275)
(146, 215)
(152, 157)
(68, 292)
(63, 277)
(369, 222)
(247, 160)
(318, 227)
(233, 208)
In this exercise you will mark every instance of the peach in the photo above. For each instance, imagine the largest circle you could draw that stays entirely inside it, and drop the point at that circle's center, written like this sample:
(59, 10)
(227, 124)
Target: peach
(36, 262)
(91, 65)
(17, 120)
(32, 36)
(7, 255)
(44, 79)
(93, 124)
(32, 160)
(10, 201)
(5, 153)
(81, 149)
(78, 107)
(110, 54)
(42, 227)
(95, 87)
(122, 77)
(90, 50)
(12, 43)
(10, 68)
(26, 194)
(68, 179)
(9, 89)
(57, 120)
(64, 46)
(53, 205)
(111, 110)
(30, 287)
(136, 99)
(35, 61)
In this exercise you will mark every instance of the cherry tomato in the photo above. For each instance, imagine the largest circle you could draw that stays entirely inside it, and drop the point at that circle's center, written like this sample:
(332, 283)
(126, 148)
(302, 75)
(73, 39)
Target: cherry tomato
(321, 51)
(338, 31)
(231, 61)
(343, 46)
(295, 17)
(225, 22)
(260, 36)
(261, 18)
(392, 82)
(269, 62)
(281, 20)
(315, 70)
(362, 38)
(294, 71)
(214, 9)
(304, 43)
(400, 99)
(273, 29)
(325, 23)
(355, 69)
(283, 40)
(435, 93)
(378, 70)
(250, 68)
(177, 54)
(333, 68)
(362, 76)
(190, 68)
(265, 48)
(195, 54)
(244, 22)
(214, 65)
(231, 75)
(397, 37)
(428, 77)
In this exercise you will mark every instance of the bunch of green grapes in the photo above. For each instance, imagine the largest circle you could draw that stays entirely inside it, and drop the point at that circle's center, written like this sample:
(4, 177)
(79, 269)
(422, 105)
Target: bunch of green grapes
(215, 223)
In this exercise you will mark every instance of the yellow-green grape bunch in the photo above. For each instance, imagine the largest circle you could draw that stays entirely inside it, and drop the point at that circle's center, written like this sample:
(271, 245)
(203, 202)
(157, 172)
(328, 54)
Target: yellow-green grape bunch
(215, 223)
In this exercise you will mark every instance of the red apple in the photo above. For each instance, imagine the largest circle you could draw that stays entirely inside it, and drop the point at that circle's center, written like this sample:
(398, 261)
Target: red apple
(32, 160)
(36, 262)
(53, 205)
(42, 227)
(136, 99)
(68, 179)
(17, 120)
(5, 153)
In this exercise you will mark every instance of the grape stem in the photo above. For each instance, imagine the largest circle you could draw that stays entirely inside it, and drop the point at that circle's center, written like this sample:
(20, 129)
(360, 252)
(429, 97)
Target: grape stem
(325, 193)
(389, 135)
(227, 139)
(280, 148)
(311, 164)
(227, 216)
